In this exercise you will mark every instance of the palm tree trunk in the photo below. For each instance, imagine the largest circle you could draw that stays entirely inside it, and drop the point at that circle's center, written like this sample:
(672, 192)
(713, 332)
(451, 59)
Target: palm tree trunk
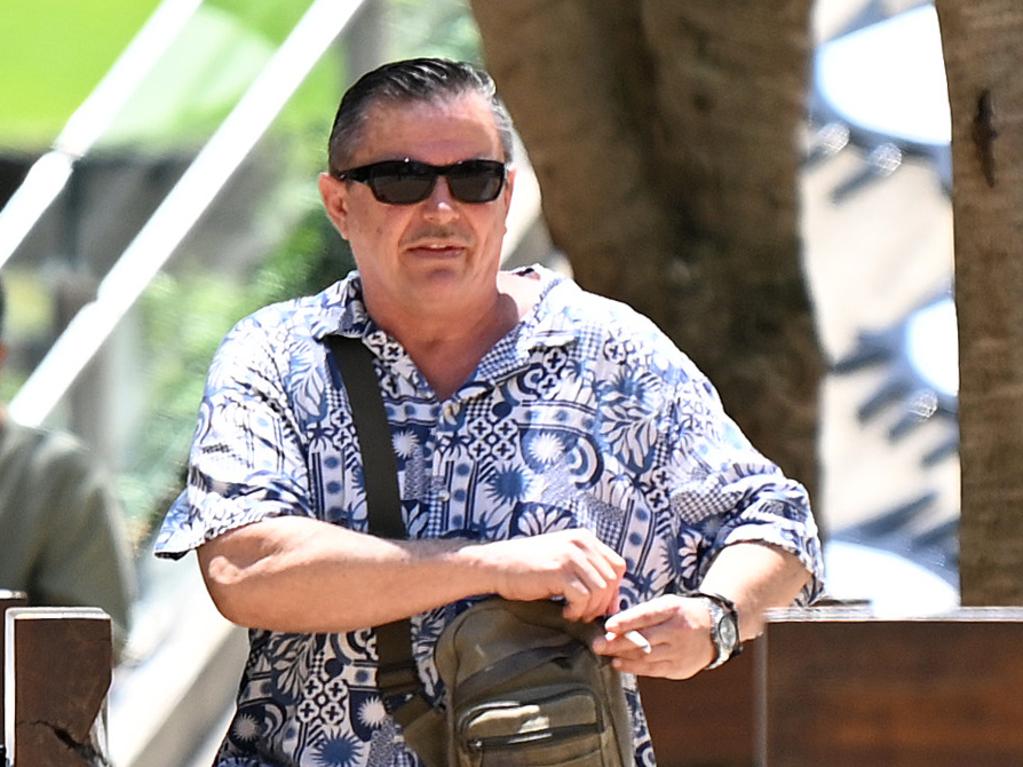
(983, 41)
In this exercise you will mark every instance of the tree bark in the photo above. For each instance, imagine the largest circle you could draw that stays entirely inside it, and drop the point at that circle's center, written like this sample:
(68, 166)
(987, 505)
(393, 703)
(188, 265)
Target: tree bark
(981, 40)
(664, 135)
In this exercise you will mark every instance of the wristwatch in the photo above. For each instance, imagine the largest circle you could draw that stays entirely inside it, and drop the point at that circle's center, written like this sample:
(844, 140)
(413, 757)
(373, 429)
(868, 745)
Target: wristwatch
(724, 627)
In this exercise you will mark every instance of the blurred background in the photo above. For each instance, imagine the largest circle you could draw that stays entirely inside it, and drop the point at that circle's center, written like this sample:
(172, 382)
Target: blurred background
(157, 183)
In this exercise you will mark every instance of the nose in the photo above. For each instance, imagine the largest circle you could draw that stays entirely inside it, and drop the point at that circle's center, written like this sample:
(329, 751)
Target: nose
(440, 205)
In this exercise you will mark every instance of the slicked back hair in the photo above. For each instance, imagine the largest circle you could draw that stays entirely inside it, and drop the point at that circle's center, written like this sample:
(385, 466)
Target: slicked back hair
(410, 81)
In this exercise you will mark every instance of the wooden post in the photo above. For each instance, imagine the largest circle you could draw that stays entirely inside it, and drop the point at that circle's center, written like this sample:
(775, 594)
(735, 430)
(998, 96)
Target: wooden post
(58, 663)
(8, 599)
(840, 687)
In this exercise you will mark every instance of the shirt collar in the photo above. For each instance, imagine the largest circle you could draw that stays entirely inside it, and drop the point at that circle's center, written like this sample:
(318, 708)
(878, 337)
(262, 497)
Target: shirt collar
(343, 310)
(548, 324)
(551, 322)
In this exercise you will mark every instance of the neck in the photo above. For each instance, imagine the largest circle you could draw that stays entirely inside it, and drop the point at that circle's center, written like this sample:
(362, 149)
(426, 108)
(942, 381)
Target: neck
(447, 343)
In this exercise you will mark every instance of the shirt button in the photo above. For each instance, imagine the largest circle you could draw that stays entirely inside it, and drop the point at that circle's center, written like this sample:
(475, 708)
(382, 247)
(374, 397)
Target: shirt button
(450, 409)
(444, 494)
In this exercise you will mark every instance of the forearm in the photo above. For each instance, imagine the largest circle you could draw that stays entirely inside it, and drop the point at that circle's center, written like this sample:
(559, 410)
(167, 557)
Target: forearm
(295, 574)
(755, 577)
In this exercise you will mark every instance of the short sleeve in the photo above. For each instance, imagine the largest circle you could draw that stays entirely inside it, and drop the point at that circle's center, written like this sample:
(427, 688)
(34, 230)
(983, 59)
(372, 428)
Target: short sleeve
(247, 462)
(726, 492)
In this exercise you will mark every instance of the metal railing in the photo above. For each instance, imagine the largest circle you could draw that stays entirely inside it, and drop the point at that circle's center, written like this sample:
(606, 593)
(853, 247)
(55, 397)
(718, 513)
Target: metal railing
(49, 174)
(175, 217)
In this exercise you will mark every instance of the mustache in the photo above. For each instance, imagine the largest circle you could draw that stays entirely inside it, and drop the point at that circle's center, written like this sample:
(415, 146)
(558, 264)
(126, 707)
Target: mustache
(437, 234)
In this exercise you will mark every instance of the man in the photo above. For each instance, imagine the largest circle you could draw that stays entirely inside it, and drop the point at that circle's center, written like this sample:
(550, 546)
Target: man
(550, 444)
(63, 537)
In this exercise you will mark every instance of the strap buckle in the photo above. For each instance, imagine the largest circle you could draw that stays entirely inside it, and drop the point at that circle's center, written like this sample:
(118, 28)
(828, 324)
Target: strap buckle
(399, 678)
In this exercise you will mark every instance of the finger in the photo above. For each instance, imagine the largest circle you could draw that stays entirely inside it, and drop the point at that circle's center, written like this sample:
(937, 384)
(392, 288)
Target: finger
(639, 641)
(646, 667)
(577, 598)
(599, 589)
(611, 606)
(643, 616)
(606, 602)
(631, 644)
(611, 563)
(595, 609)
(584, 601)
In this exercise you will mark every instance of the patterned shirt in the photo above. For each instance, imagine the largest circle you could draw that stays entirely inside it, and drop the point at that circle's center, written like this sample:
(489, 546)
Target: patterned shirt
(583, 415)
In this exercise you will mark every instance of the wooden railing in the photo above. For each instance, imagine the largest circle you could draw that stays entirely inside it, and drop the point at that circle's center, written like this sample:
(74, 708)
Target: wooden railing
(840, 687)
(823, 686)
(57, 671)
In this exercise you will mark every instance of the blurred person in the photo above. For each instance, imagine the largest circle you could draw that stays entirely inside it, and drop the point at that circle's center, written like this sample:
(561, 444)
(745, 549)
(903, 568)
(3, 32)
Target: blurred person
(62, 535)
(550, 444)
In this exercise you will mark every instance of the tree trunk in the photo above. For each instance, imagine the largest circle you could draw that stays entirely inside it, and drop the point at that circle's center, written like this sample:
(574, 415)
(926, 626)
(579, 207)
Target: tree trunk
(982, 40)
(664, 136)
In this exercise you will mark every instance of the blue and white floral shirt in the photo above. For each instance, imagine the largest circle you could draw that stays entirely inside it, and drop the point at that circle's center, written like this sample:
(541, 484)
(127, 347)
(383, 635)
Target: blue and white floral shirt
(584, 415)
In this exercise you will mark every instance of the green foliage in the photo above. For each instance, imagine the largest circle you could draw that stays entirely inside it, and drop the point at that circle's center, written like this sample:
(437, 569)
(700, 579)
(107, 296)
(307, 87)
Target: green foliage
(184, 313)
(54, 53)
(436, 28)
(183, 318)
(272, 20)
(311, 259)
(207, 70)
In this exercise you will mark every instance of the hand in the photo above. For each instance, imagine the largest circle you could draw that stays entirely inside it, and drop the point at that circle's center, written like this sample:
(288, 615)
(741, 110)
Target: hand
(572, 564)
(678, 632)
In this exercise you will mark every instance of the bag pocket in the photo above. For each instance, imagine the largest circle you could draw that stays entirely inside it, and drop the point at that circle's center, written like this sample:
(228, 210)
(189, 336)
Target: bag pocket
(538, 727)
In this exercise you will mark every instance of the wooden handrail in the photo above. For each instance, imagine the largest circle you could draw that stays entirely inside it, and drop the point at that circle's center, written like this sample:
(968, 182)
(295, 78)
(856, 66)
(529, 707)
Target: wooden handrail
(842, 687)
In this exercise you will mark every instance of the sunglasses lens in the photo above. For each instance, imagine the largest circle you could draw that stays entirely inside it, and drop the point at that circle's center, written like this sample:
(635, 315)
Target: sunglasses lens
(476, 180)
(402, 183)
(405, 182)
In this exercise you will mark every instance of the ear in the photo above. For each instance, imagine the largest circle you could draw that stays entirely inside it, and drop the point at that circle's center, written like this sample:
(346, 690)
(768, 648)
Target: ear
(506, 196)
(334, 194)
(509, 185)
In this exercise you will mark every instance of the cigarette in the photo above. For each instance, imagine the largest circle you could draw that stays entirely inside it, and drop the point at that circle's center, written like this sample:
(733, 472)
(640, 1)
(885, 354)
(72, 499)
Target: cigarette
(636, 638)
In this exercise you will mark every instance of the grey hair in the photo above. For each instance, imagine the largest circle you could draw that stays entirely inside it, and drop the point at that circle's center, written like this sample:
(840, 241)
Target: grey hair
(412, 80)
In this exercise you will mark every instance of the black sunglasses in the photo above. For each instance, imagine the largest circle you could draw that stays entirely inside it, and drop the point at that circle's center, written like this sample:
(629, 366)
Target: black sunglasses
(406, 182)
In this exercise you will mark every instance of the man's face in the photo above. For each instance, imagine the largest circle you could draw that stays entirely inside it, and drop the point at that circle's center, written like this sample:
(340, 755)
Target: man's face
(433, 255)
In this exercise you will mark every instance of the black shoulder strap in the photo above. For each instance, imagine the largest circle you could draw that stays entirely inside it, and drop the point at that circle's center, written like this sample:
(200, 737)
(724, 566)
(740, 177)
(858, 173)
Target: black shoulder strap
(355, 365)
(397, 677)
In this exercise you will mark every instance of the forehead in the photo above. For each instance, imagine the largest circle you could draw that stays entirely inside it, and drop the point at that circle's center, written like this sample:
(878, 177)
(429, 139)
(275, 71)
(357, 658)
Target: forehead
(442, 131)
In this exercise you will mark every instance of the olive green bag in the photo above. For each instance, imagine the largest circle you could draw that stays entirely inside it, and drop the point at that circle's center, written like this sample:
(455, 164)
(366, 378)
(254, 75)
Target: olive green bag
(523, 687)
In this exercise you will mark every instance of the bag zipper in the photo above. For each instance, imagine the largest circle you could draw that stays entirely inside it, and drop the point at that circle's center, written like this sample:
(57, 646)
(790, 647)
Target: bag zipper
(531, 738)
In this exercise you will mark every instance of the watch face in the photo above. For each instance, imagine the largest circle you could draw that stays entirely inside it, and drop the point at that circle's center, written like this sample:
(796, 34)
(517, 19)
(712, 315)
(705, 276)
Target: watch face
(724, 631)
(729, 632)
